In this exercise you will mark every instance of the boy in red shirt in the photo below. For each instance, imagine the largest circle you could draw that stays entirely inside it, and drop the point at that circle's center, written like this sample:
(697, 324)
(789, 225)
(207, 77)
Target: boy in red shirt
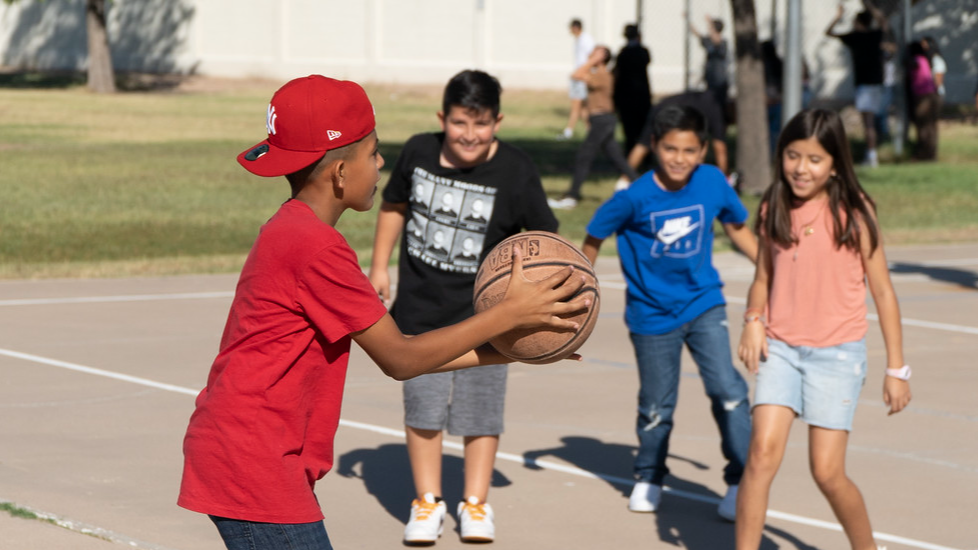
(263, 429)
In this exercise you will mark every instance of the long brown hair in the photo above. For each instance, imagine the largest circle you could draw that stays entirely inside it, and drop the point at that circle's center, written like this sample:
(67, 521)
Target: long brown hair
(844, 190)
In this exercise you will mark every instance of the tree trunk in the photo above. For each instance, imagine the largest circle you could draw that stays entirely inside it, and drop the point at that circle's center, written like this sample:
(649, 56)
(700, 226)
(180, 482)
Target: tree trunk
(753, 157)
(101, 77)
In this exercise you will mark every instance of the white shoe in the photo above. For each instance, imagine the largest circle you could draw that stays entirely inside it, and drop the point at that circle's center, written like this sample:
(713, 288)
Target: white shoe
(567, 203)
(871, 160)
(476, 521)
(622, 183)
(426, 521)
(645, 497)
(729, 503)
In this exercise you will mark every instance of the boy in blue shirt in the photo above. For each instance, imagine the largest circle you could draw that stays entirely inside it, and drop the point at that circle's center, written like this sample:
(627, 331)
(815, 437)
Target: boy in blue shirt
(664, 225)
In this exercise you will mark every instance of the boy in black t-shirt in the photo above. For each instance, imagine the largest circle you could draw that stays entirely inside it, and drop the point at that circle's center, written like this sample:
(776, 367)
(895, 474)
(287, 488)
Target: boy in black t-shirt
(465, 191)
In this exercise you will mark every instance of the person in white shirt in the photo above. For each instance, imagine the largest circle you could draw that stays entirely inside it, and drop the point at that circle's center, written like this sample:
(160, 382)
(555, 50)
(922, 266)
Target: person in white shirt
(578, 91)
(938, 65)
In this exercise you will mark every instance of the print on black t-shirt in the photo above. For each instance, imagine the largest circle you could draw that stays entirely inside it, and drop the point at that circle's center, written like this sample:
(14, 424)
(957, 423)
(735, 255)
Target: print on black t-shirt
(448, 224)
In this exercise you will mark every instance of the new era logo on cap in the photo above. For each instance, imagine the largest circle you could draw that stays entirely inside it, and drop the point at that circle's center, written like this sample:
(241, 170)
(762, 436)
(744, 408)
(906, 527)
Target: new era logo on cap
(306, 118)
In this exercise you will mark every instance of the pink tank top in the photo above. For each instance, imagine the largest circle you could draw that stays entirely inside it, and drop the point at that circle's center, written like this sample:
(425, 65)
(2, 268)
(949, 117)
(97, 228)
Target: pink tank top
(817, 295)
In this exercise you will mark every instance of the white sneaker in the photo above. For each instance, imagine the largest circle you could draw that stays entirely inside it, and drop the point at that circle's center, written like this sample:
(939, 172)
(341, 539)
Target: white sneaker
(729, 503)
(645, 497)
(871, 159)
(476, 521)
(426, 521)
(622, 183)
(567, 203)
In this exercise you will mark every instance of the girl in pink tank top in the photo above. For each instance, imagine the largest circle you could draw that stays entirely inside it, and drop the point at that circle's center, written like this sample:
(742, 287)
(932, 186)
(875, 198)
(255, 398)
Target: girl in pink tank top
(818, 243)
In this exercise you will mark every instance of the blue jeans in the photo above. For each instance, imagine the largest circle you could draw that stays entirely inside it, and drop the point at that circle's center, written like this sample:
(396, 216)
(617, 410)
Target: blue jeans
(658, 357)
(250, 535)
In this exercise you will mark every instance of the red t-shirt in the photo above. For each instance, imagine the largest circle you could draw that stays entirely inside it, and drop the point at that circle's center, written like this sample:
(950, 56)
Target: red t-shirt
(263, 429)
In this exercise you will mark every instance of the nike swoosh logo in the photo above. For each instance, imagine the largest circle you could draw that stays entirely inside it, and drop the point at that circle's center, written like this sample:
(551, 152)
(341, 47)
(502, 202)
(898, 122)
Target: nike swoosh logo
(673, 237)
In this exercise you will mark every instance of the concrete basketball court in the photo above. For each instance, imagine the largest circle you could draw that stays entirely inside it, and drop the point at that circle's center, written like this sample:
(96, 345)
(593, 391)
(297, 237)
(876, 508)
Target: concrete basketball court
(98, 378)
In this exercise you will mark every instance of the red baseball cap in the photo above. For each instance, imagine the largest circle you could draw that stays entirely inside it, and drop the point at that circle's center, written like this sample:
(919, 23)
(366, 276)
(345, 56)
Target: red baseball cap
(306, 118)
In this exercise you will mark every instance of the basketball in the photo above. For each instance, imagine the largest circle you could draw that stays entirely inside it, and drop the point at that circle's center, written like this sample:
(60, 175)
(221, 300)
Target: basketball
(543, 254)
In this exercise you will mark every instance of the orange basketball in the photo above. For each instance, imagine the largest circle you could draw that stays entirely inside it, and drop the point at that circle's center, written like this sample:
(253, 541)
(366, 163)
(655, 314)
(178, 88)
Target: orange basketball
(543, 254)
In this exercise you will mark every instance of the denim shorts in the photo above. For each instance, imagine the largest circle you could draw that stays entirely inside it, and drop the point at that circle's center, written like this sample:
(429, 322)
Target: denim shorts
(822, 385)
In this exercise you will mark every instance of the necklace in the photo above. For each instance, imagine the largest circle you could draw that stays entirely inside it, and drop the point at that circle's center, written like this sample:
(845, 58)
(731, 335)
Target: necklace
(807, 230)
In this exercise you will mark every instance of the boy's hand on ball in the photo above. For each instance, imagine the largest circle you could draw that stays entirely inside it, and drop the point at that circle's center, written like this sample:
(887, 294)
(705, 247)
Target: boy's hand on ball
(541, 303)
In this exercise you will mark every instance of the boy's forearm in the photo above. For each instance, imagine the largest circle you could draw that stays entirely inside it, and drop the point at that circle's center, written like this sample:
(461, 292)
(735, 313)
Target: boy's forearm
(483, 355)
(453, 347)
(743, 239)
(591, 247)
(390, 220)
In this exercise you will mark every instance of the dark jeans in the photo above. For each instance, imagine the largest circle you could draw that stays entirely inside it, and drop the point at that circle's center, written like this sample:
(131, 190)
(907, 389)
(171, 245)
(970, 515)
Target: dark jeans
(633, 117)
(250, 535)
(601, 135)
(719, 92)
(658, 357)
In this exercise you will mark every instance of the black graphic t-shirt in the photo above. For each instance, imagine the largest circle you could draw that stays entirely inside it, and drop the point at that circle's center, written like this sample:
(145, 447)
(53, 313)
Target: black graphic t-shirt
(454, 218)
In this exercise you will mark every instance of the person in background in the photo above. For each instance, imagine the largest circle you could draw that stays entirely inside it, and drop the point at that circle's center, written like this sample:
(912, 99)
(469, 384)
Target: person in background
(715, 66)
(601, 128)
(924, 103)
(864, 43)
(577, 89)
(632, 95)
(772, 66)
(938, 65)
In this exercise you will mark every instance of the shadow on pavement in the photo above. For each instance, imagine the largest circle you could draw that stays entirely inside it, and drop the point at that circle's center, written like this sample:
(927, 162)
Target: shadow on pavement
(961, 277)
(386, 473)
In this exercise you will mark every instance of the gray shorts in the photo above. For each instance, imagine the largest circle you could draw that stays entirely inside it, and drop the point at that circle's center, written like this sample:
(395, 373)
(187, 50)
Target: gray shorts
(577, 89)
(467, 402)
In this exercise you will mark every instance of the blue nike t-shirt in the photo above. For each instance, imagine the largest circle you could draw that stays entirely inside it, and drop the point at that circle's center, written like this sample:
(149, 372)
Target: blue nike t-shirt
(665, 240)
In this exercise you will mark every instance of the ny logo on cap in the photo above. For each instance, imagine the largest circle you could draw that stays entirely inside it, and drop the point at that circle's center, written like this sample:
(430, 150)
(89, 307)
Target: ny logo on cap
(270, 120)
(333, 134)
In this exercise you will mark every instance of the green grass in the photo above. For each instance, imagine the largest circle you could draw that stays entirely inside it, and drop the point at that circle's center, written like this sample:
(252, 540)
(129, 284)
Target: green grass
(146, 183)
(20, 512)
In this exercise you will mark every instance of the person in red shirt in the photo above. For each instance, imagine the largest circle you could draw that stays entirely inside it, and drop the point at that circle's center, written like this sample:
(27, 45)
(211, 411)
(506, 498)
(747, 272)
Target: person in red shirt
(263, 428)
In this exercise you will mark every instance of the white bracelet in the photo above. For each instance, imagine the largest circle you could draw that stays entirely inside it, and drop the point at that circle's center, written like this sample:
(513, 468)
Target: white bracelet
(903, 373)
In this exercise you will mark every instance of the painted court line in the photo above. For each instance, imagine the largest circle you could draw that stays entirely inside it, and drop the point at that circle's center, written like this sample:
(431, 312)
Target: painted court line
(504, 456)
(616, 285)
(121, 298)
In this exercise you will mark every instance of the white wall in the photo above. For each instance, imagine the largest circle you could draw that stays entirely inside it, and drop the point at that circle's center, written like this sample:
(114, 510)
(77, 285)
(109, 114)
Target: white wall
(525, 43)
